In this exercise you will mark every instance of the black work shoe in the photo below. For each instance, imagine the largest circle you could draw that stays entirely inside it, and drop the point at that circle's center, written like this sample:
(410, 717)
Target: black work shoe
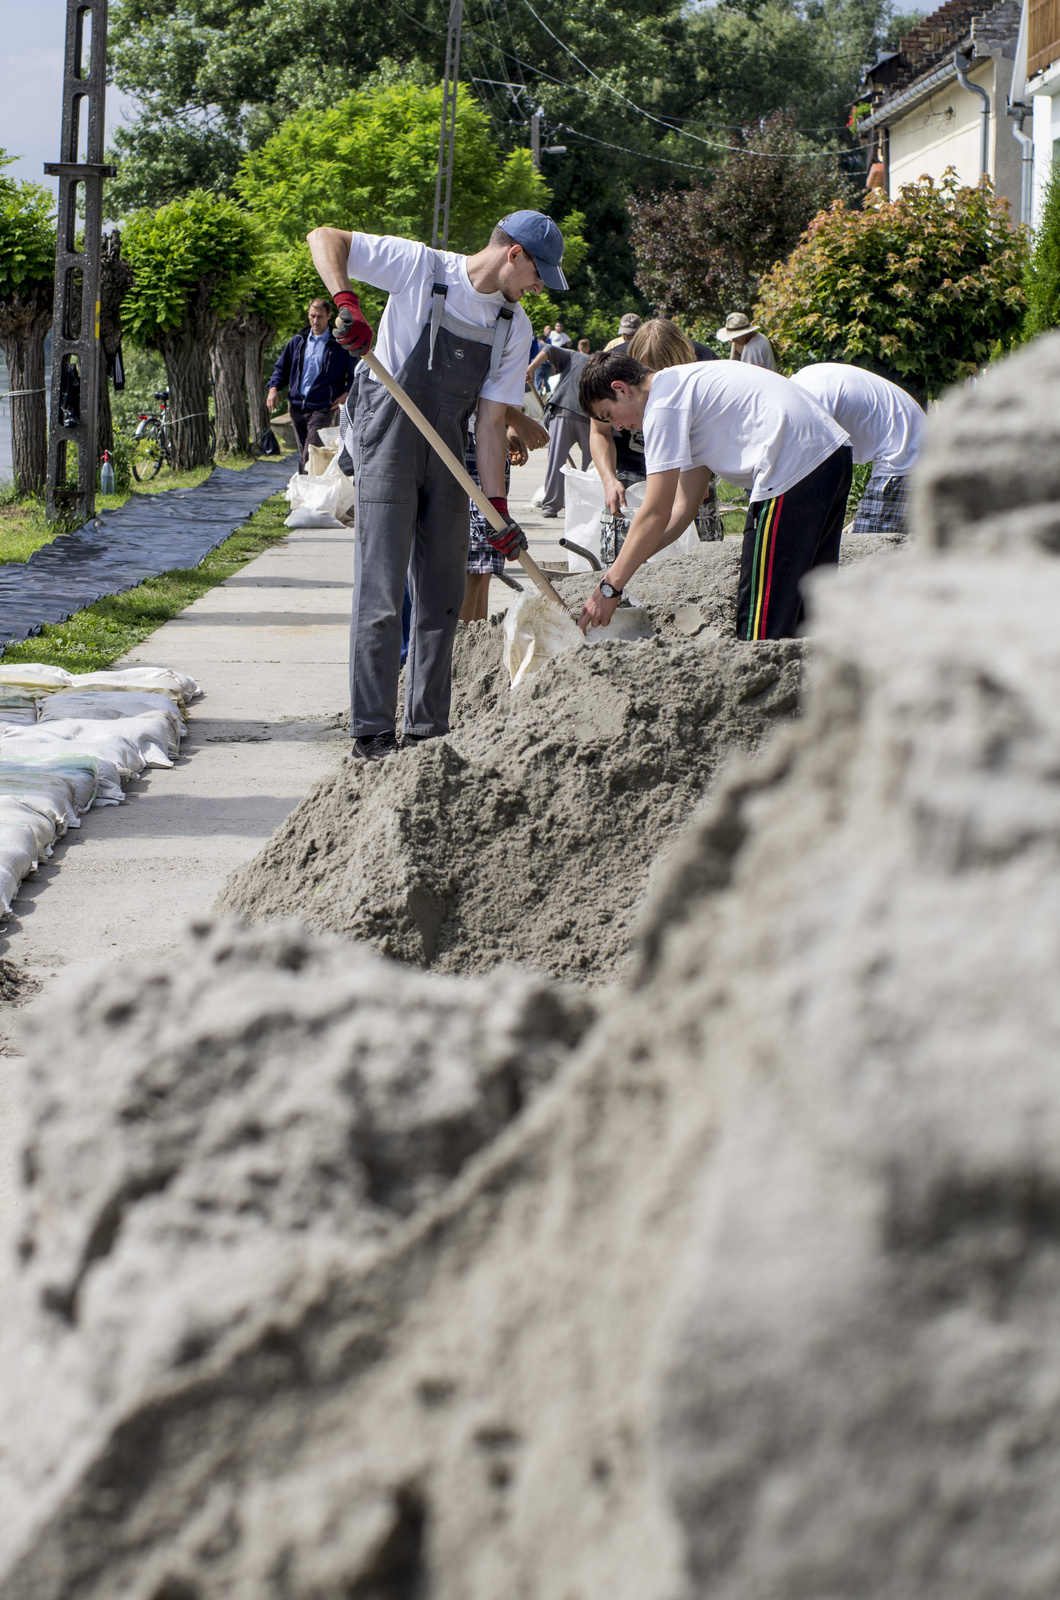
(409, 741)
(376, 747)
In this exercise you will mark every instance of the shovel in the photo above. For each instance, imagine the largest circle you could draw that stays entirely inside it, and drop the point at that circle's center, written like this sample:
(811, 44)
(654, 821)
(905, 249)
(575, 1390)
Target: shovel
(460, 473)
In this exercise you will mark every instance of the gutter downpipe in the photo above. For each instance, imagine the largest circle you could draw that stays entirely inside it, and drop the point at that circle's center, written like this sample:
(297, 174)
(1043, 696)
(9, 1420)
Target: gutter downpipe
(960, 66)
(1018, 110)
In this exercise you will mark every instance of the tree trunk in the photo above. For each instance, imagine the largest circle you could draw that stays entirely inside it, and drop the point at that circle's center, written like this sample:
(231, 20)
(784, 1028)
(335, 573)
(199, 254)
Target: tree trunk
(29, 412)
(186, 352)
(258, 334)
(228, 366)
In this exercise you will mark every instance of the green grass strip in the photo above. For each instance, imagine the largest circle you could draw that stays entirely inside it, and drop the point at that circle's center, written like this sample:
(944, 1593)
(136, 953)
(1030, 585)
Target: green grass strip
(98, 636)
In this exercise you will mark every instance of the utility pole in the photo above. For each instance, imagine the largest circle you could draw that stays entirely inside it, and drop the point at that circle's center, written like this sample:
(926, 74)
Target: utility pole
(447, 137)
(535, 137)
(75, 329)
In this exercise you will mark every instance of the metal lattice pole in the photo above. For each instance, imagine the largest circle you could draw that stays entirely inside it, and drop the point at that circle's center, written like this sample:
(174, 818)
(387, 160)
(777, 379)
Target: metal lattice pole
(443, 187)
(75, 330)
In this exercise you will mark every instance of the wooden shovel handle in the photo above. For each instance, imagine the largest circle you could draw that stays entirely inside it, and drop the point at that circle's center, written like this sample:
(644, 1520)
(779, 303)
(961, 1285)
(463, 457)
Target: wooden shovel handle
(460, 472)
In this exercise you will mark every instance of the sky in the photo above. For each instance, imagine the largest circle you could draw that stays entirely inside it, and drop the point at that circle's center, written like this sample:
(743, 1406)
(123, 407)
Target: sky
(31, 81)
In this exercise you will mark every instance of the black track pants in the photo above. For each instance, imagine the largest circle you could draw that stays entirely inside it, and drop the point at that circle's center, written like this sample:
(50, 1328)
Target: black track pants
(783, 540)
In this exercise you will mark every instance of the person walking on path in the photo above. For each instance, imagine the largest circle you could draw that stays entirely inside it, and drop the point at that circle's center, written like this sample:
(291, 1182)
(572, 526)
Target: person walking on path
(886, 427)
(746, 342)
(567, 423)
(318, 373)
(755, 429)
(455, 337)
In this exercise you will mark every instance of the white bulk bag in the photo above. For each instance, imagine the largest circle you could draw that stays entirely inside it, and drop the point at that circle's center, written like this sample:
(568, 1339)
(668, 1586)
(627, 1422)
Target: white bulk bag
(319, 502)
(584, 506)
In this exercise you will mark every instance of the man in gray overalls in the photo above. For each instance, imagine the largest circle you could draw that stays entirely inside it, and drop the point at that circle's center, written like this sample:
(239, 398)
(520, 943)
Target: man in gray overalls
(455, 337)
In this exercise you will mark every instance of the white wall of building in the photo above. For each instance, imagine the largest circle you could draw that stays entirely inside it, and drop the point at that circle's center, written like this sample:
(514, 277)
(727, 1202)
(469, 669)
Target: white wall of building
(1045, 98)
(944, 131)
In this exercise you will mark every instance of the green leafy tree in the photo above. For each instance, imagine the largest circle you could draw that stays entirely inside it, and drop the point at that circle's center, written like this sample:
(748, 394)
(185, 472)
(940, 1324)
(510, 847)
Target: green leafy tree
(370, 162)
(1042, 280)
(702, 251)
(924, 288)
(27, 279)
(194, 262)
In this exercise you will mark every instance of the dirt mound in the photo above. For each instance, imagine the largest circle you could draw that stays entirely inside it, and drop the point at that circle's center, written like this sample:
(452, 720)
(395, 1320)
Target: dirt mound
(758, 1293)
(530, 833)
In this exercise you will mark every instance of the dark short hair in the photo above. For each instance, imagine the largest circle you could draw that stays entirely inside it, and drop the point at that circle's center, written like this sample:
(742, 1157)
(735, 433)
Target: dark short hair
(498, 236)
(318, 300)
(601, 371)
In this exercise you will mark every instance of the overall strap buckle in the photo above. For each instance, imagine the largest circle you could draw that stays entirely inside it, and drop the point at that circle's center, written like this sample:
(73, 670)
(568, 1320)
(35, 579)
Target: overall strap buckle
(438, 294)
(501, 330)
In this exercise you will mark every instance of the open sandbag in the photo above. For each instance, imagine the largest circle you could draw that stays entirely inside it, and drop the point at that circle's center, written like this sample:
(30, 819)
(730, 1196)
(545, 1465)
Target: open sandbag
(319, 502)
(583, 508)
(536, 631)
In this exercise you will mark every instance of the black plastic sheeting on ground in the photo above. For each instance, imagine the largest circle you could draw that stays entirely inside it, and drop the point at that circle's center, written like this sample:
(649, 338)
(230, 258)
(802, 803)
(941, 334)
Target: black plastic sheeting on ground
(148, 535)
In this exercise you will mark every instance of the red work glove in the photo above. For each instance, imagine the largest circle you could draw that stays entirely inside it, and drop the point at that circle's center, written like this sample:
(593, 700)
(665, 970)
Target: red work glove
(351, 329)
(513, 539)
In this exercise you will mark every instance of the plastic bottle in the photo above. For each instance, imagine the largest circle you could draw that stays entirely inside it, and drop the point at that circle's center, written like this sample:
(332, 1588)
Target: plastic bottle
(106, 476)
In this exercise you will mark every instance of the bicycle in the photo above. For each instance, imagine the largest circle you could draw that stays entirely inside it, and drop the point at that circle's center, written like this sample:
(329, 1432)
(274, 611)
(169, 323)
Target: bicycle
(153, 441)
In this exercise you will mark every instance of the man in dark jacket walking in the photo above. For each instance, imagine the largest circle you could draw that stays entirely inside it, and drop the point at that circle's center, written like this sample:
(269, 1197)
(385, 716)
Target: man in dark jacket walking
(318, 373)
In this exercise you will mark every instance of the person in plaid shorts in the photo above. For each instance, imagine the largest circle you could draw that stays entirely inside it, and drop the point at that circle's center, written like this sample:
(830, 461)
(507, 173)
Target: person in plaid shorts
(483, 560)
(886, 427)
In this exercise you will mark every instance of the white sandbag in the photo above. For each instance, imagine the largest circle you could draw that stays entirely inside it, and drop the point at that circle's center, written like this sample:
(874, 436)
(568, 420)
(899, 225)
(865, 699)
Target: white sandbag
(17, 809)
(62, 787)
(101, 705)
(17, 705)
(18, 858)
(107, 741)
(319, 502)
(19, 716)
(583, 505)
(41, 679)
(163, 679)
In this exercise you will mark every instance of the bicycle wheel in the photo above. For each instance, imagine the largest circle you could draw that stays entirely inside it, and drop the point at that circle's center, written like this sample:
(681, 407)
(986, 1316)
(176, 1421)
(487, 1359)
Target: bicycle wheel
(148, 453)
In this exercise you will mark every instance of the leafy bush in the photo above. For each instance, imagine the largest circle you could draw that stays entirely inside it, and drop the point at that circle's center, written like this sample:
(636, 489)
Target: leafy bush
(701, 251)
(1042, 279)
(924, 288)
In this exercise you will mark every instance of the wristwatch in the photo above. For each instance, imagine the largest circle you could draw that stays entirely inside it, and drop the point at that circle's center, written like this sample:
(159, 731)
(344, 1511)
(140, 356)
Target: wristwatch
(609, 591)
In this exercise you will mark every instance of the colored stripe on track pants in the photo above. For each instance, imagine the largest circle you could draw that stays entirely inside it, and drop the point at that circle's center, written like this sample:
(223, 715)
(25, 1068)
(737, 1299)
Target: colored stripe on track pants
(783, 540)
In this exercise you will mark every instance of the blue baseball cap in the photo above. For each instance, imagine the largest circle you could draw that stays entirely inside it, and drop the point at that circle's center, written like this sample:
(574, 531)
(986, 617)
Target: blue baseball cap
(539, 235)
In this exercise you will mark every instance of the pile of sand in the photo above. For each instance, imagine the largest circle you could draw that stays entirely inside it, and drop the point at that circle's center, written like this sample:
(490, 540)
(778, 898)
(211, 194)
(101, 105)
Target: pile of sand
(529, 834)
(757, 1294)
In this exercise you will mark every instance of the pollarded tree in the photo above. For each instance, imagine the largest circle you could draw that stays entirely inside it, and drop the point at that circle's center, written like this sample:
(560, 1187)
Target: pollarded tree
(27, 282)
(235, 359)
(701, 251)
(925, 288)
(272, 308)
(194, 262)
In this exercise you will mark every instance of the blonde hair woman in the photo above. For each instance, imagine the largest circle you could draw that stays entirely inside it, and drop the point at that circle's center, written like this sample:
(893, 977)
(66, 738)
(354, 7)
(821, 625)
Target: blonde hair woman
(658, 344)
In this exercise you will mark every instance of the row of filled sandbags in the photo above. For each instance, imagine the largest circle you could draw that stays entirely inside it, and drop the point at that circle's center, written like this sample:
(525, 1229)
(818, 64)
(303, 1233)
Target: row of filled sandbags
(69, 741)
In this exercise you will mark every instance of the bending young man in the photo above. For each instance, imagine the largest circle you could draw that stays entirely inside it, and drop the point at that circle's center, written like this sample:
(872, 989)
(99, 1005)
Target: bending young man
(886, 427)
(455, 337)
(751, 427)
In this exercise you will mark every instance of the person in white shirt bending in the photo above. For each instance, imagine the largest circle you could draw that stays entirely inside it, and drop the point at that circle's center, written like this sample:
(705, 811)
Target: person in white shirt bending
(455, 337)
(886, 427)
(746, 342)
(751, 427)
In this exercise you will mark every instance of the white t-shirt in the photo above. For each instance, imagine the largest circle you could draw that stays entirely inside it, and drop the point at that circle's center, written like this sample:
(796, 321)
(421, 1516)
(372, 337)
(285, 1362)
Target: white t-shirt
(884, 423)
(757, 352)
(405, 269)
(747, 424)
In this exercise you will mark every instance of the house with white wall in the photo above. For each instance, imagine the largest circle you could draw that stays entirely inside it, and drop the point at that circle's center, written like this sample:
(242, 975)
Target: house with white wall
(1036, 82)
(941, 100)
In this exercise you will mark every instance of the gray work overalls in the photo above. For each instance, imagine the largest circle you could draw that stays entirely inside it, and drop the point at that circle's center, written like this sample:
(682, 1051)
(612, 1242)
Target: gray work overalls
(413, 519)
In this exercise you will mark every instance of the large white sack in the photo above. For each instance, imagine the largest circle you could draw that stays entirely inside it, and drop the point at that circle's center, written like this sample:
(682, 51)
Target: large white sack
(118, 743)
(23, 810)
(62, 789)
(166, 680)
(319, 502)
(18, 858)
(41, 679)
(101, 705)
(584, 506)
